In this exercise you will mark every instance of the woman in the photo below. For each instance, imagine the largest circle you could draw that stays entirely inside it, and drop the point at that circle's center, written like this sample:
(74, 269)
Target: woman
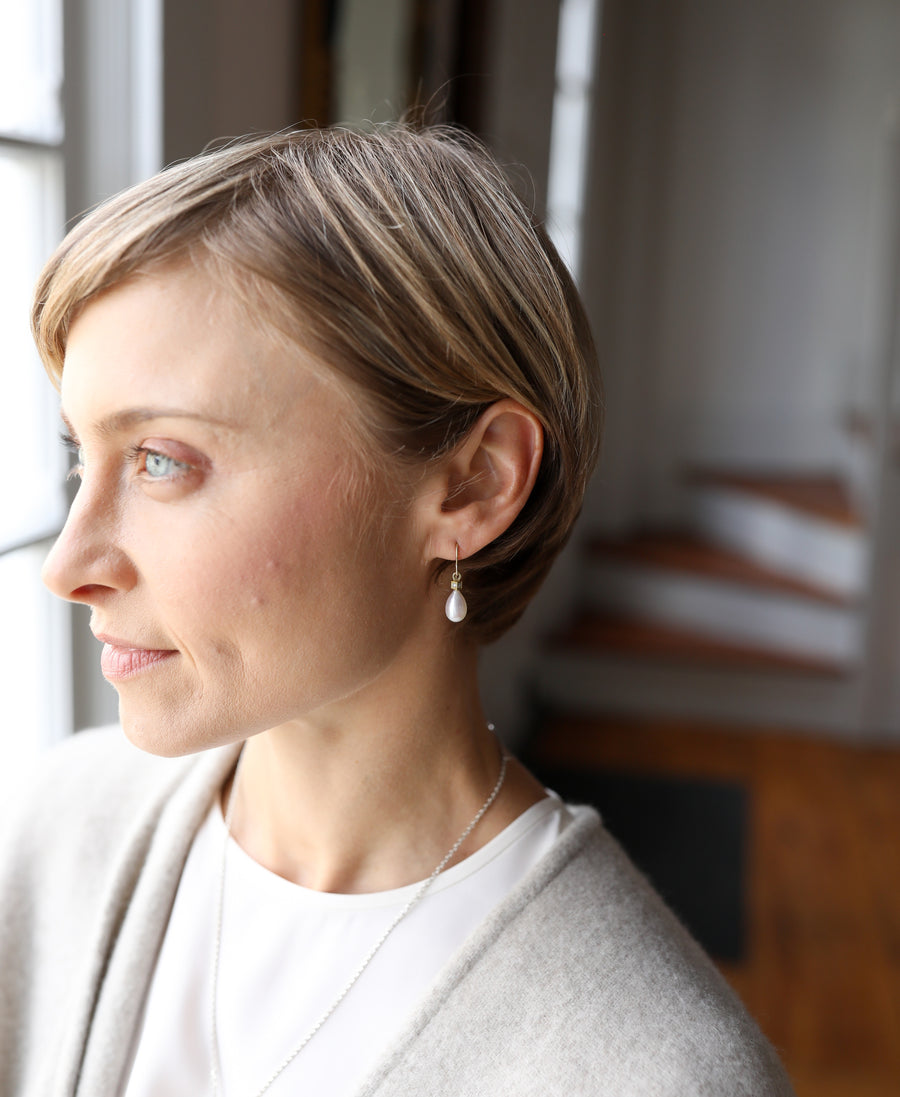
(335, 404)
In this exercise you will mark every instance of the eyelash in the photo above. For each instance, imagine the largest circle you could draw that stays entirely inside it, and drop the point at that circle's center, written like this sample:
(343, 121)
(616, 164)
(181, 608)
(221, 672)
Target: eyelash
(133, 455)
(73, 447)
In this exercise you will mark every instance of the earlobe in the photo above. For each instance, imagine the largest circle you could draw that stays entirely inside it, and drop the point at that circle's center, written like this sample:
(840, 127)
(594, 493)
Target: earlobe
(487, 480)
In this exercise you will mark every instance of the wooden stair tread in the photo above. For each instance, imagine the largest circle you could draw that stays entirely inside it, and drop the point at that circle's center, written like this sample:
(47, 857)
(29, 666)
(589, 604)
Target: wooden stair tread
(674, 550)
(571, 738)
(601, 633)
(819, 496)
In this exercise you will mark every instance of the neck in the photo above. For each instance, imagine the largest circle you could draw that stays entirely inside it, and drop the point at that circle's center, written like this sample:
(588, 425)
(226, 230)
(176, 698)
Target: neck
(371, 794)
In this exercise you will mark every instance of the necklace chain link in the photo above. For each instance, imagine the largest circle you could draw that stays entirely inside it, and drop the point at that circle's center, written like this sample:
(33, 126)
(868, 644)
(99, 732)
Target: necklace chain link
(215, 1065)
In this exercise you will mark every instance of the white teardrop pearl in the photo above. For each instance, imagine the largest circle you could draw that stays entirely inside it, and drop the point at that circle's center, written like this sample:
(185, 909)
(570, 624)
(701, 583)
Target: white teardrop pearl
(455, 607)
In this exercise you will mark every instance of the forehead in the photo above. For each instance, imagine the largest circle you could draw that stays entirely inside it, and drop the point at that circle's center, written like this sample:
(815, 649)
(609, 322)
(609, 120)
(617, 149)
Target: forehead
(177, 335)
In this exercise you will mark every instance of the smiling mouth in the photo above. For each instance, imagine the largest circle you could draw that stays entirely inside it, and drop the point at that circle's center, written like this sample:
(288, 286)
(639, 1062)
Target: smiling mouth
(118, 662)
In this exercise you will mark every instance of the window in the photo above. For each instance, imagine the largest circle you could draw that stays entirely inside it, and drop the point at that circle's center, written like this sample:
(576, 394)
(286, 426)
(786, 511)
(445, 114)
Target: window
(569, 134)
(34, 656)
(60, 153)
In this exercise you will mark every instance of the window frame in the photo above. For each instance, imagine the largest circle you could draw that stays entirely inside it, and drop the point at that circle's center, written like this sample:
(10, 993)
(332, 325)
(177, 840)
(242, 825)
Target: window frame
(112, 109)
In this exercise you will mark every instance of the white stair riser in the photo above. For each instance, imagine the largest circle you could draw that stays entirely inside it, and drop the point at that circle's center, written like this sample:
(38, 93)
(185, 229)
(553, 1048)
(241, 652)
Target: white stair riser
(781, 623)
(800, 545)
(602, 685)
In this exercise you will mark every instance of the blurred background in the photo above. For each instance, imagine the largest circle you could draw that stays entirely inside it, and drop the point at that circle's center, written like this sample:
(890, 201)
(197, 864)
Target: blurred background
(715, 661)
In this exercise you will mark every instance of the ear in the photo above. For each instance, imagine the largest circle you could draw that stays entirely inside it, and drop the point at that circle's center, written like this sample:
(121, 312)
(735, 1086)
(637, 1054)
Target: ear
(481, 487)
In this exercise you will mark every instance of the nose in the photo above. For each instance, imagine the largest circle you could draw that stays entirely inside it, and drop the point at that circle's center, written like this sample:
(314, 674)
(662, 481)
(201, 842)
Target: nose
(87, 562)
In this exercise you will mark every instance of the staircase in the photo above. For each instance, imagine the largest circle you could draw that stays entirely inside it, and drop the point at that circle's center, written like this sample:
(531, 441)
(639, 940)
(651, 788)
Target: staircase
(750, 614)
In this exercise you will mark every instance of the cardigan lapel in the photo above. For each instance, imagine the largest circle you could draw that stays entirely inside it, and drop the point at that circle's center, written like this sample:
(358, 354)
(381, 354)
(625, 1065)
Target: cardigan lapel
(136, 909)
(442, 1019)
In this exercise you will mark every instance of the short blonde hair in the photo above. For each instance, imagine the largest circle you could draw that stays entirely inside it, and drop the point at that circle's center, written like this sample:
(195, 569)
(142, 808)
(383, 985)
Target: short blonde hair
(402, 258)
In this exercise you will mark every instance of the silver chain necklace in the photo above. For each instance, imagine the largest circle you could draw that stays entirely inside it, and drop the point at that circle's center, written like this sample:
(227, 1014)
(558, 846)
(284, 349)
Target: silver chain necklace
(215, 1065)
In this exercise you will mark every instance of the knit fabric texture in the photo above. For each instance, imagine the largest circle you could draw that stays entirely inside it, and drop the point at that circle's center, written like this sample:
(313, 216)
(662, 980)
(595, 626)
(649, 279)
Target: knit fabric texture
(580, 982)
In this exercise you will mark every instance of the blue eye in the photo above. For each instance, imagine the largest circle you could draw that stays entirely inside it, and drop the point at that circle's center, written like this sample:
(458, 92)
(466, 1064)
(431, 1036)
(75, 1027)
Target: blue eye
(158, 466)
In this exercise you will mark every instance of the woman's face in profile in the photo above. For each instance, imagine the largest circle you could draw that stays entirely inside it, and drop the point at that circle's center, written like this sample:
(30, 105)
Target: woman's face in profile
(217, 532)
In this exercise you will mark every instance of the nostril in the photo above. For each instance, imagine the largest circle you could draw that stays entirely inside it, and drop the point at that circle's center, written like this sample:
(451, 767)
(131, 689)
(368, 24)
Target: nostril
(88, 593)
(87, 560)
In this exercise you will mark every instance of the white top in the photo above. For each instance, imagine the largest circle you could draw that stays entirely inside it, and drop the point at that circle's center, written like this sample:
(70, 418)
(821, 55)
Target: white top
(287, 952)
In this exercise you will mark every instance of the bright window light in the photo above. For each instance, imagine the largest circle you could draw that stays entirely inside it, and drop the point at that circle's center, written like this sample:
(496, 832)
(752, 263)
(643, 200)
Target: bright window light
(35, 663)
(31, 70)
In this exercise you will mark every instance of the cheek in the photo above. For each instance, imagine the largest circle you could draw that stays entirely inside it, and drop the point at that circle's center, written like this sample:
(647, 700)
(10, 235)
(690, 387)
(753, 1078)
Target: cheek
(266, 583)
(263, 566)
(287, 558)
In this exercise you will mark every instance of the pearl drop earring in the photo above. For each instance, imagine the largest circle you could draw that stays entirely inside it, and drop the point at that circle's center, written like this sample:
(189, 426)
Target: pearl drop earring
(455, 606)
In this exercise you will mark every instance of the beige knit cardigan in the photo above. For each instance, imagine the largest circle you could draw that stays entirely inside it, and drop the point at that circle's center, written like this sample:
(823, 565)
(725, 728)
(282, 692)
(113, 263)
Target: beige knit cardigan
(580, 982)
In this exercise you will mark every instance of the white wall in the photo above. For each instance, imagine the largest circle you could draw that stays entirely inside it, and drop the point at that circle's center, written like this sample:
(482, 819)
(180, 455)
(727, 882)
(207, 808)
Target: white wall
(750, 139)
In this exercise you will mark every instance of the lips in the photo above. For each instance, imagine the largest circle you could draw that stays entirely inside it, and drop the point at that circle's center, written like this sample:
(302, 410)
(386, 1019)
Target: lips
(120, 659)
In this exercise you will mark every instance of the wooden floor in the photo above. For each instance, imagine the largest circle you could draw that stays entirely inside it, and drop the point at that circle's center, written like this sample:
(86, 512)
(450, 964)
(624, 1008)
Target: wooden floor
(822, 974)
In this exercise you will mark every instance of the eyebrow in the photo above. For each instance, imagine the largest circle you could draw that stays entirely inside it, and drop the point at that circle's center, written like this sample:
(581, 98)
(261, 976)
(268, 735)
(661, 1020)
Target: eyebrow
(123, 420)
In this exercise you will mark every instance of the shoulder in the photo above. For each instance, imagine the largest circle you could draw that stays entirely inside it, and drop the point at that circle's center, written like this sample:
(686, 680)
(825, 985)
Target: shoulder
(640, 994)
(91, 779)
(583, 981)
(99, 756)
(97, 830)
(87, 802)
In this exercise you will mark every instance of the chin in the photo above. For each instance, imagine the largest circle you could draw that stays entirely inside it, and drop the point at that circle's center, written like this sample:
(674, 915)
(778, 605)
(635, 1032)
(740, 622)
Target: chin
(158, 736)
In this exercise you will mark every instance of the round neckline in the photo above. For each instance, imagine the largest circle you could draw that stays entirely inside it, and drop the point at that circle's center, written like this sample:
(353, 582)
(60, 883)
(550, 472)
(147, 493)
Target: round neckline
(242, 867)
